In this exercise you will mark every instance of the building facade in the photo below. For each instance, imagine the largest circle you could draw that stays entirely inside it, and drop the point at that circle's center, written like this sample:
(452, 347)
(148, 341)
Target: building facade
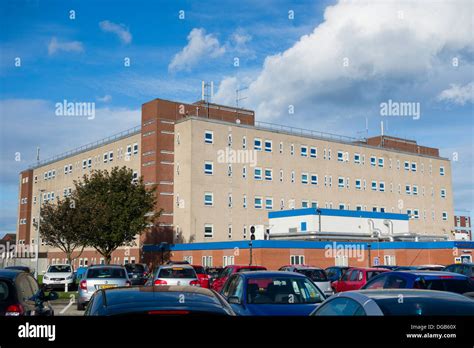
(217, 172)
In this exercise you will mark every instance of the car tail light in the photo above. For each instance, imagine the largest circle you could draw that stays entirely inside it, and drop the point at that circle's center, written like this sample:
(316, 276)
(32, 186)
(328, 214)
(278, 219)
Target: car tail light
(168, 312)
(83, 284)
(14, 310)
(160, 282)
(446, 277)
(194, 283)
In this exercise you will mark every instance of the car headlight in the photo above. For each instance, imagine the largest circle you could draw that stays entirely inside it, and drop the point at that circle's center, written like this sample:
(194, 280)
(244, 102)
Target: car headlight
(45, 277)
(69, 277)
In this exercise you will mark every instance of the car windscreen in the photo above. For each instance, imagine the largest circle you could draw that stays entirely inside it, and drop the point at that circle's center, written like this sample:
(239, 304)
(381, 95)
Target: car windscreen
(459, 286)
(135, 268)
(282, 290)
(371, 274)
(59, 269)
(177, 272)
(4, 291)
(415, 306)
(316, 275)
(106, 272)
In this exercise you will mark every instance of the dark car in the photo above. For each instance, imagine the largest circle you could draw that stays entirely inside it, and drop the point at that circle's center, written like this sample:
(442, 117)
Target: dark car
(269, 293)
(466, 269)
(335, 272)
(137, 273)
(389, 302)
(428, 280)
(177, 263)
(202, 276)
(20, 268)
(213, 273)
(21, 295)
(162, 300)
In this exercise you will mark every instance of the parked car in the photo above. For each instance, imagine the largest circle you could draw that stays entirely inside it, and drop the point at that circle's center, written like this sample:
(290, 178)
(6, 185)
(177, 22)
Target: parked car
(21, 295)
(466, 269)
(317, 275)
(387, 302)
(100, 277)
(20, 268)
(218, 283)
(271, 293)
(213, 273)
(57, 276)
(175, 275)
(390, 268)
(429, 280)
(177, 262)
(202, 276)
(355, 278)
(157, 301)
(137, 273)
(335, 272)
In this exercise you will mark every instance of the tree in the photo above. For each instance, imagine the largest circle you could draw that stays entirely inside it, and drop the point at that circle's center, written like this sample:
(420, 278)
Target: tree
(61, 225)
(115, 209)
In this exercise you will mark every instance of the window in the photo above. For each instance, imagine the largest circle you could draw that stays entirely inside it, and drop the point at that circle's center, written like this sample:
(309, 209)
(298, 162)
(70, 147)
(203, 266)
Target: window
(268, 146)
(357, 158)
(65, 169)
(209, 137)
(381, 186)
(292, 176)
(244, 171)
(208, 231)
(382, 209)
(314, 179)
(415, 190)
(229, 200)
(292, 149)
(381, 162)
(281, 175)
(304, 204)
(84, 164)
(373, 160)
(342, 206)
(111, 156)
(245, 232)
(282, 204)
(244, 142)
(269, 203)
(297, 259)
(208, 168)
(70, 168)
(407, 165)
(135, 177)
(257, 144)
(374, 185)
(313, 152)
(257, 174)
(208, 199)
(358, 207)
(304, 151)
(229, 170)
(89, 162)
(258, 203)
(416, 214)
(340, 181)
(314, 204)
(229, 139)
(281, 147)
(329, 154)
(358, 184)
(106, 157)
(340, 156)
(445, 216)
(129, 151)
(443, 193)
(303, 226)
(413, 166)
(268, 174)
(441, 171)
(407, 189)
(135, 148)
(244, 202)
(304, 178)
(374, 209)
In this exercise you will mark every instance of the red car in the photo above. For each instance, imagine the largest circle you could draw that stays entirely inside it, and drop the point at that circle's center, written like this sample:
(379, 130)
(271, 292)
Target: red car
(355, 278)
(218, 283)
(202, 276)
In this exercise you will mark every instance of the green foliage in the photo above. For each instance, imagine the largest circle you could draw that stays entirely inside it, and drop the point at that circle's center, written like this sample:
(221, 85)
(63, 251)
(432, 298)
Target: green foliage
(114, 210)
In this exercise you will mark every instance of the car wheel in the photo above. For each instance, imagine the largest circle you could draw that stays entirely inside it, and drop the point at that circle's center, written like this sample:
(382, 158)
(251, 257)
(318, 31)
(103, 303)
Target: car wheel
(80, 306)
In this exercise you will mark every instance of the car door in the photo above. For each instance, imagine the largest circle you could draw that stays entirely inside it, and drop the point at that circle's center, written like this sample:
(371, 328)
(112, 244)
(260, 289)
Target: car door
(355, 280)
(219, 282)
(343, 283)
(236, 290)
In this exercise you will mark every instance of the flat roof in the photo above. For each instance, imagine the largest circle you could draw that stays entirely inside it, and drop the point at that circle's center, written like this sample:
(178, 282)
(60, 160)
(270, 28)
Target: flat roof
(336, 212)
(306, 133)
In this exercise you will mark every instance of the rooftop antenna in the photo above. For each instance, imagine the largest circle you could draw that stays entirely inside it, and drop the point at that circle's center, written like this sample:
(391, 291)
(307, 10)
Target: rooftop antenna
(238, 97)
(207, 93)
(37, 155)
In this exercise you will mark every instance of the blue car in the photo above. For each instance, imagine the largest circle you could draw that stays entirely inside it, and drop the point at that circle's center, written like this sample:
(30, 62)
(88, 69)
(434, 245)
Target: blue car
(271, 293)
(427, 280)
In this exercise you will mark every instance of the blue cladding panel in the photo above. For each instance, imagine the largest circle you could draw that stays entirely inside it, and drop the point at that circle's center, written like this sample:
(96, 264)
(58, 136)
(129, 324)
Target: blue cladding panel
(336, 212)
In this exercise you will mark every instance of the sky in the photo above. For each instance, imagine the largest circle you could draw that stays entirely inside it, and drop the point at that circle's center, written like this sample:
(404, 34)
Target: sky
(323, 65)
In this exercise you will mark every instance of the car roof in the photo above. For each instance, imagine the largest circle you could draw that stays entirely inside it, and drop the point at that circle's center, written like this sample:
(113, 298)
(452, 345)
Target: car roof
(266, 274)
(188, 266)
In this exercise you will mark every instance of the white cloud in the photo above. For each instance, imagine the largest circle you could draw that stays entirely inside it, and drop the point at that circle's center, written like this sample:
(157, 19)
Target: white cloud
(118, 29)
(199, 45)
(386, 45)
(458, 94)
(56, 46)
(105, 99)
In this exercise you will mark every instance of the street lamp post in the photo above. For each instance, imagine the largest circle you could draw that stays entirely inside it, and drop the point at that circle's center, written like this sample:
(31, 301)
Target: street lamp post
(370, 257)
(37, 235)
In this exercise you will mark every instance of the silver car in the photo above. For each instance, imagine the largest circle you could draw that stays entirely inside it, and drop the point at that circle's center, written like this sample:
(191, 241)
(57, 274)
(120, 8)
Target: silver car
(175, 275)
(100, 277)
(317, 275)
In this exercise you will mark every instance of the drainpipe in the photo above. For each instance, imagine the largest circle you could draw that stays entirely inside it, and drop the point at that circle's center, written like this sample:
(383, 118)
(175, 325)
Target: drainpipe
(319, 218)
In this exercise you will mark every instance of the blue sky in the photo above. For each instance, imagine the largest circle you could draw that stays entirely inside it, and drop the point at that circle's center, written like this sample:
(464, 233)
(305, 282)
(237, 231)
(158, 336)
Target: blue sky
(289, 52)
